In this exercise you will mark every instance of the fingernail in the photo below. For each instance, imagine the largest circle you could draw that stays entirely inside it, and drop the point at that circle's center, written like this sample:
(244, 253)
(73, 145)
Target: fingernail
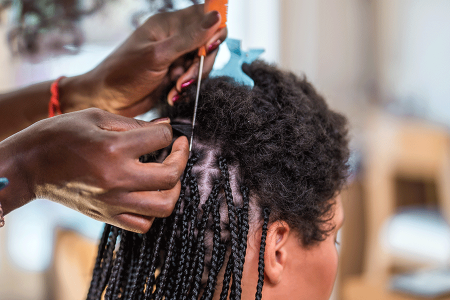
(187, 83)
(214, 45)
(160, 120)
(175, 98)
(210, 19)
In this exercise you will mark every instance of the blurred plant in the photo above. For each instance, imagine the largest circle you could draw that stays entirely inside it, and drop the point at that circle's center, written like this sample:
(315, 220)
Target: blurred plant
(53, 25)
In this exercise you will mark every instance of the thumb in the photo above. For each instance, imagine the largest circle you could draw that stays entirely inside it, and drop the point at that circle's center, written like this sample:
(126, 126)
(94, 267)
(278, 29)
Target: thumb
(190, 37)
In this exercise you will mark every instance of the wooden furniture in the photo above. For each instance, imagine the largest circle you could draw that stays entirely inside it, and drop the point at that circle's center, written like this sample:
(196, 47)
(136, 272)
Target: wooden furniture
(397, 149)
(360, 288)
(400, 147)
(74, 259)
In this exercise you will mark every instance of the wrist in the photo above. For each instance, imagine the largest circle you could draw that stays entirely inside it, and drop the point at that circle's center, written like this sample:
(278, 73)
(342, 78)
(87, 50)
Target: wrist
(18, 192)
(76, 93)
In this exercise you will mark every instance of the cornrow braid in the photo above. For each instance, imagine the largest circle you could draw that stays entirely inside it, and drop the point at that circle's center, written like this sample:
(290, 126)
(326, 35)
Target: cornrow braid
(262, 249)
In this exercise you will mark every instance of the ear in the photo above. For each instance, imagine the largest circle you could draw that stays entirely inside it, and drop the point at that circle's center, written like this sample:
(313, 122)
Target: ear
(276, 252)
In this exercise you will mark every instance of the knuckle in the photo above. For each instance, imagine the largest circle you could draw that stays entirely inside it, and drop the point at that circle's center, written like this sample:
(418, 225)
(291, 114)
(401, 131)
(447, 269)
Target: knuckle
(95, 113)
(192, 34)
(165, 132)
(144, 226)
(151, 52)
(110, 146)
(167, 207)
(141, 229)
(106, 180)
(172, 177)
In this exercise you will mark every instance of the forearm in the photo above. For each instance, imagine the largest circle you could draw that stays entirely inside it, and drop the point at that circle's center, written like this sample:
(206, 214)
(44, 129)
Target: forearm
(21, 108)
(16, 194)
(24, 107)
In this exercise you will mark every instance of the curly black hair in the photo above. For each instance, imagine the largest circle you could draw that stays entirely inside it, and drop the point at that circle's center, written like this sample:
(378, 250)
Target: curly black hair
(274, 152)
(292, 150)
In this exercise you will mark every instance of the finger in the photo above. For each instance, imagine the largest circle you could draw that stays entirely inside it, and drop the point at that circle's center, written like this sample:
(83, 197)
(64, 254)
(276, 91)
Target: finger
(158, 204)
(111, 122)
(189, 39)
(173, 96)
(191, 74)
(217, 39)
(159, 176)
(146, 139)
(133, 222)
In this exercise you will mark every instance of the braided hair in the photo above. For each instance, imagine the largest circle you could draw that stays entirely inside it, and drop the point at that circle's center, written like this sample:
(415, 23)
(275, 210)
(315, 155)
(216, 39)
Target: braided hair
(274, 152)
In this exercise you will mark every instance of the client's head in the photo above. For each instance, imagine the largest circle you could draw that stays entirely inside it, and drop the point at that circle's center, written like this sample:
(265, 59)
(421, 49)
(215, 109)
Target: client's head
(259, 203)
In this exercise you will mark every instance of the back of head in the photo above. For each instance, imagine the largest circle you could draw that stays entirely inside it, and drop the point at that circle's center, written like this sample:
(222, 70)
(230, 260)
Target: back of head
(274, 152)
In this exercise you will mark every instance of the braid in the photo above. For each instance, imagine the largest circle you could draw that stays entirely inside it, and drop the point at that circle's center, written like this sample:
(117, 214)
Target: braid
(93, 289)
(215, 258)
(237, 266)
(107, 261)
(184, 229)
(195, 195)
(183, 249)
(200, 259)
(171, 277)
(117, 266)
(155, 256)
(167, 263)
(227, 278)
(259, 287)
(133, 266)
(222, 254)
(138, 267)
(122, 255)
(243, 222)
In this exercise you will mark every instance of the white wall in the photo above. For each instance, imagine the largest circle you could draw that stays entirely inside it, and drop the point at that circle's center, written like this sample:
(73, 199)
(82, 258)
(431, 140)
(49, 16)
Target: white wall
(415, 56)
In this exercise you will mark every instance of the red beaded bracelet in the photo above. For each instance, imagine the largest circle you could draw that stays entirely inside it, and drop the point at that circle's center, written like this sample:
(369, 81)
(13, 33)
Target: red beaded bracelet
(54, 107)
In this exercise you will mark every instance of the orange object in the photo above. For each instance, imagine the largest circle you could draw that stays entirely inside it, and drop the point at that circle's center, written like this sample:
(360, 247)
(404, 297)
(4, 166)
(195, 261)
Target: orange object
(220, 6)
(54, 107)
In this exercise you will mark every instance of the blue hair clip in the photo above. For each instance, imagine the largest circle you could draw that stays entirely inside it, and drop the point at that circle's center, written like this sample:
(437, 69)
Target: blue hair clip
(234, 66)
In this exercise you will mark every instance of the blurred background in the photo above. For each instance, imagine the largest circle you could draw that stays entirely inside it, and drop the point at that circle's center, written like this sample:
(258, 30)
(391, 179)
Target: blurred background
(385, 64)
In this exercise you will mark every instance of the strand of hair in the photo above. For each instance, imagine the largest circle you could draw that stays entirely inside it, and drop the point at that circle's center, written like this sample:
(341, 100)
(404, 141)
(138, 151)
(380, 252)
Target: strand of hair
(93, 289)
(200, 261)
(262, 249)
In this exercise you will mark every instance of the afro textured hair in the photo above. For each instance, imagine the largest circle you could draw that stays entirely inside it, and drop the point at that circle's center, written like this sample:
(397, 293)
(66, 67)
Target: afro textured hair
(291, 149)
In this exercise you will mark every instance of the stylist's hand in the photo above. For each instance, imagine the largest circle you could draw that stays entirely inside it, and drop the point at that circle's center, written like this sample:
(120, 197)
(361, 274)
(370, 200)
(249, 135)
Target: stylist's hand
(88, 161)
(163, 50)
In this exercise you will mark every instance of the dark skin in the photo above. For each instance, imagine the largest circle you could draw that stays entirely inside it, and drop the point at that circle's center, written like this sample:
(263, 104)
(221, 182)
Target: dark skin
(88, 160)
